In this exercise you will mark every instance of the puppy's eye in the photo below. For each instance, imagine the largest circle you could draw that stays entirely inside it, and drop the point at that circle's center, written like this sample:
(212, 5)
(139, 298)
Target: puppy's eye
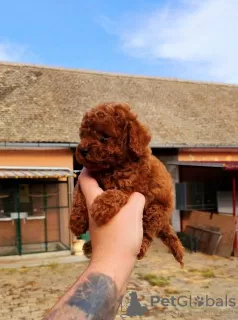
(104, 138)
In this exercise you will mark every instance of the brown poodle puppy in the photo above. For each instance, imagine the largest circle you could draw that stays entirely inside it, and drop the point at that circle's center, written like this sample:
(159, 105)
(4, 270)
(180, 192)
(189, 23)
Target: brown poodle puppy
(115, 148)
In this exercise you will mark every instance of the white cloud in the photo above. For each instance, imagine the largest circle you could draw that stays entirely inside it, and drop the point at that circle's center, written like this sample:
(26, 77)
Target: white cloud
(13, 52)
(200, 35)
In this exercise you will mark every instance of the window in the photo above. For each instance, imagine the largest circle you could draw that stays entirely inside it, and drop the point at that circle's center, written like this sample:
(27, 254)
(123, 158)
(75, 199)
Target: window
(31, 197)
(196, 196)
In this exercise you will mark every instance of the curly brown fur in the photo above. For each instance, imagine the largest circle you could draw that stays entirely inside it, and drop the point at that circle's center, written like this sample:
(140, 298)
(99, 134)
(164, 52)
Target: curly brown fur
(115, 148)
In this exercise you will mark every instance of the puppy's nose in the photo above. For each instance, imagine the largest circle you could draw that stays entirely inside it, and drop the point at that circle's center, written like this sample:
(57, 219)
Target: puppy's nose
(84, 152)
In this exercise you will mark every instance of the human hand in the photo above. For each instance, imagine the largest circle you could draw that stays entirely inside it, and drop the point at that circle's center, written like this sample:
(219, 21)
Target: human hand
(122, 235)
(115, 246)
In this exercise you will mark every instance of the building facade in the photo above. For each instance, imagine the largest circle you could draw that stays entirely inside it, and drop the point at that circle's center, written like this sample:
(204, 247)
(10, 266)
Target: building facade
(35, 200)
(194, 132)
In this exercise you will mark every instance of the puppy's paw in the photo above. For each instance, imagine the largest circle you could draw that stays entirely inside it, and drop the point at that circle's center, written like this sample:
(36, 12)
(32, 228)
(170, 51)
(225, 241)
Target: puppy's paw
(179, 254)
(144, 247)
(87, 249)
(107, 205)
(171, 240)
(78, 223)
(141, 254)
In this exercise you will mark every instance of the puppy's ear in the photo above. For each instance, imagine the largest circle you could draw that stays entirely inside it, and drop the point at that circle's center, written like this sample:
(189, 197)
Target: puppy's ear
(139, 138)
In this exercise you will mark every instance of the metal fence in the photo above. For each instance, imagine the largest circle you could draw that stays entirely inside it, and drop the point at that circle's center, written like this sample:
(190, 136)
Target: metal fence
(33, 216)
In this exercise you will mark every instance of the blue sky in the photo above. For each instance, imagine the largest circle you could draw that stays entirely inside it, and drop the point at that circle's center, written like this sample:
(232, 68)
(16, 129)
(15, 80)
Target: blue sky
(186, 39)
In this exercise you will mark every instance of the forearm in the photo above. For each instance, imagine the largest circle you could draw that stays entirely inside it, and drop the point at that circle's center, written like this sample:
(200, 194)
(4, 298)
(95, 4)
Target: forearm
(96, 294)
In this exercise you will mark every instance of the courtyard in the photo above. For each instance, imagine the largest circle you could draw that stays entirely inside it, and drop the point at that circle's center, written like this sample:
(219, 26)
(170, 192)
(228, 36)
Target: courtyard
(206, 288)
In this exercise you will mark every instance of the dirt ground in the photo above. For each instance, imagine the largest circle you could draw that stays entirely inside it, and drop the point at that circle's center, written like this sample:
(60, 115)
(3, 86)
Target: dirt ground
(207, 288)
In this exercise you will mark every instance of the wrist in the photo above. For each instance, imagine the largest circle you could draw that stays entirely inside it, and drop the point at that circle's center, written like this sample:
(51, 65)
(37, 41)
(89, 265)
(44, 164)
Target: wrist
(117, 266)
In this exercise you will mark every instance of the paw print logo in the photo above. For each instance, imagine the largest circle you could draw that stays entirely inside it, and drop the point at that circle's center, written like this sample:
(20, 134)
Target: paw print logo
(198, 301)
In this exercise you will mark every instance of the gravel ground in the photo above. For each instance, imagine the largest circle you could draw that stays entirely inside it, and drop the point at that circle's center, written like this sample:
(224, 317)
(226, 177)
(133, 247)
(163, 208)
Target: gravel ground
(206, 288)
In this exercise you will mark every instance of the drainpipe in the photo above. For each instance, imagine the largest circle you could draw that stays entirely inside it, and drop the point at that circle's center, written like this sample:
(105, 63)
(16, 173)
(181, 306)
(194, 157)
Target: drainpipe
(235, 245)
(71, 193)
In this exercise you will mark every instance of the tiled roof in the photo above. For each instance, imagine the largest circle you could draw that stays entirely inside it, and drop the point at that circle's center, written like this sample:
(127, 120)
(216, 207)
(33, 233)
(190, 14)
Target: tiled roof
(40, 104)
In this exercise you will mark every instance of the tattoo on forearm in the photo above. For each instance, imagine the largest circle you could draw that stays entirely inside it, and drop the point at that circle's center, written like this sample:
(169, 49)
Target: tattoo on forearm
(96, 298)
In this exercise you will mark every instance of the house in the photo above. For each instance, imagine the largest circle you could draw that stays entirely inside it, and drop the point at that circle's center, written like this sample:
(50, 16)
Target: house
(194, 132)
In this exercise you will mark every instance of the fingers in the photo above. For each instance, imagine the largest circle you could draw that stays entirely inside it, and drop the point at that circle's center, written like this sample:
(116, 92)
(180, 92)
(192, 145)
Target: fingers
(89, 186)
(85, 179)
(136, 203)
(133, 212)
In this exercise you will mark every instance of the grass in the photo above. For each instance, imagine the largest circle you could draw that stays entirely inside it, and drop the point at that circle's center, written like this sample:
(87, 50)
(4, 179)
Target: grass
(53, 266)
(193, 270)
(205, 273)
(24, 269)
(11, 270)
(155, 280)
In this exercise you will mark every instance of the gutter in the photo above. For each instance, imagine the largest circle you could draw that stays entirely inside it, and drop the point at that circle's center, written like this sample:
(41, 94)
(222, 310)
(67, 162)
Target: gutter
(192, 147)
(32, 145)
(23, 145)
(34, 168)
